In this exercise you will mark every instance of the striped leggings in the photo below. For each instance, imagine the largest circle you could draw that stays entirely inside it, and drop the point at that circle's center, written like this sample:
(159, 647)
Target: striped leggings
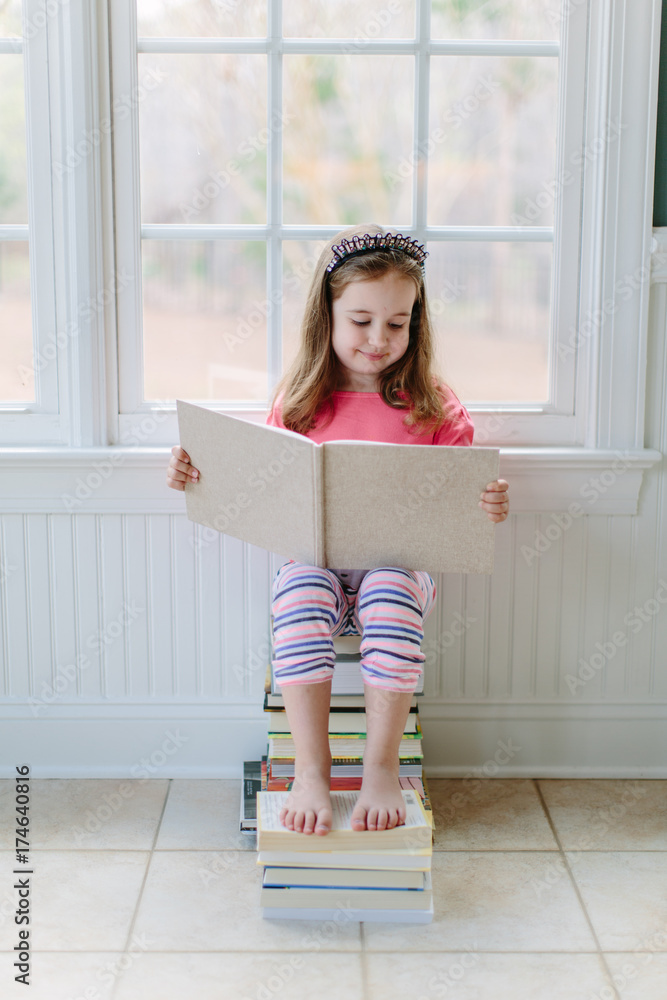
(310, 607)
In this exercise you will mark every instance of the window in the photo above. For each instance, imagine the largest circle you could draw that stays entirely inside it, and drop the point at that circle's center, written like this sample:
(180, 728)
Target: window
(28, 376)
(256, 136)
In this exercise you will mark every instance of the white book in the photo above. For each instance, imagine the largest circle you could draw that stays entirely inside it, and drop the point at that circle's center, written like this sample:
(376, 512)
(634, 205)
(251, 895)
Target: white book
(341, 916)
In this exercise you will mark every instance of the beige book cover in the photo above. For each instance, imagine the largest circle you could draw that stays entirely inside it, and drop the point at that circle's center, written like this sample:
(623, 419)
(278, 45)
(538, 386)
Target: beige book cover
(341, 504)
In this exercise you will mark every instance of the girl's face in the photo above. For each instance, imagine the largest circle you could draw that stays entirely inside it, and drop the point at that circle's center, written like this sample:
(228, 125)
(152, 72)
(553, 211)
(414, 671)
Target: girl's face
(371, 328)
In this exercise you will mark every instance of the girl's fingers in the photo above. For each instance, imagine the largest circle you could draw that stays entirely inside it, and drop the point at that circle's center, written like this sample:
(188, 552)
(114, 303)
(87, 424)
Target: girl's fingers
(180, 453)
(183, 467)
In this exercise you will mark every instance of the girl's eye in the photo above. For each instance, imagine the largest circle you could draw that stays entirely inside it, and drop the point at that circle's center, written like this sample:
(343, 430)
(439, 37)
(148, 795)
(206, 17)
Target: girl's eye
(365, 322)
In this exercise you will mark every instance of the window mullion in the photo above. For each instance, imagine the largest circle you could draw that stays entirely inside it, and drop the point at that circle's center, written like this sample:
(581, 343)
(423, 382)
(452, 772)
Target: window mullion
(421, 116)
(274, 194)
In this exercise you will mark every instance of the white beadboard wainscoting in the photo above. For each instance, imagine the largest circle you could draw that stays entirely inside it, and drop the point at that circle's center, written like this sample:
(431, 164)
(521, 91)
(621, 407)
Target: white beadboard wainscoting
(133, 646)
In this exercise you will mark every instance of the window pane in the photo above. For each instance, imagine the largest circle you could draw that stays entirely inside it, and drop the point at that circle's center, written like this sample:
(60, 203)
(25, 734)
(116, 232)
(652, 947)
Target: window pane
(204, 319)
(13, 171)
(349, 19)
(222, 18)
(338, 148)
(299, 259)
(490, 304)
(492, 141)
(516, 19)
(203, 139)
(17, 382)
(10, 19)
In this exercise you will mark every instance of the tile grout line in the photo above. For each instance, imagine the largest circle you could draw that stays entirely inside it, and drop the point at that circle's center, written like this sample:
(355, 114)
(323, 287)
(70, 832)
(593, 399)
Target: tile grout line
(330, 951)
(573, 881)
(126, 949)
(363, 962)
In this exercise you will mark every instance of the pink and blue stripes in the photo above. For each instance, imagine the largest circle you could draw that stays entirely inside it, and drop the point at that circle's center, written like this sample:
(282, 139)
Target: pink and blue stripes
(310, 606)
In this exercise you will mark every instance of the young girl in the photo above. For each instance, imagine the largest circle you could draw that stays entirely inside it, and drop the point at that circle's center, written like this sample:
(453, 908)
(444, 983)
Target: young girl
(363, 372)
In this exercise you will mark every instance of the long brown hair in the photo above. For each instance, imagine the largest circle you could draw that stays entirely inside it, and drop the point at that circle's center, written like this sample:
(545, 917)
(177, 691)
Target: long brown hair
(407, 384)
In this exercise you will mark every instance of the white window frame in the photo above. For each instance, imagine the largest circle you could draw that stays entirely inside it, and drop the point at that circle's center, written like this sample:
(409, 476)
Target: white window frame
(557, 422)
(25, 422)
(621, 43)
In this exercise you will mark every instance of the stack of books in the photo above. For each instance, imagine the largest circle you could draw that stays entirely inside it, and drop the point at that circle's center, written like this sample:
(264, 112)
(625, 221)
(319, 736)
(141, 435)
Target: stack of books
(380, 875)
(371, 865)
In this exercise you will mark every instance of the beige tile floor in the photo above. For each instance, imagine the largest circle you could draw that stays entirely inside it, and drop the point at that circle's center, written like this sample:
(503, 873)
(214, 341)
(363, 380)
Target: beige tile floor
(146, 890)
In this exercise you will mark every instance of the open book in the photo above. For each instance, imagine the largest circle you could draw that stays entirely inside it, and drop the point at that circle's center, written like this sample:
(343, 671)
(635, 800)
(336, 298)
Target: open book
(341, 504)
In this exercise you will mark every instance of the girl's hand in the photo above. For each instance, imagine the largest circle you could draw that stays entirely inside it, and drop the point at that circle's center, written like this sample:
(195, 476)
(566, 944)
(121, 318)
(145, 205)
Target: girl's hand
(496, 502)
(179, 471)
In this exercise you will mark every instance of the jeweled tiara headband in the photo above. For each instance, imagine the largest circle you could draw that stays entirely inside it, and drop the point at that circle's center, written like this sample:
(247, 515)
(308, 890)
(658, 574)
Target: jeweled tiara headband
(378, 241)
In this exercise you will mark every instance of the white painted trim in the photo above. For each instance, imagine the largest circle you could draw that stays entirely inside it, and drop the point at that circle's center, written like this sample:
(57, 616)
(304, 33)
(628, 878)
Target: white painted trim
(431, 709)
(133, 480)
(78, 146)
(587, 746)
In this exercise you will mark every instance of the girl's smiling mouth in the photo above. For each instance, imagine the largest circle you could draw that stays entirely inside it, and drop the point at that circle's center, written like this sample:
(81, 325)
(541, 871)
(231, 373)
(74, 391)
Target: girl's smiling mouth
(373, 357)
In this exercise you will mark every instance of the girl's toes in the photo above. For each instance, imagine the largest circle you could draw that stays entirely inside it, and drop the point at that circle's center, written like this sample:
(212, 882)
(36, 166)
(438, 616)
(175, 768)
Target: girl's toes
(371, 819)
(323, 821)
(358, 819)
(383, 819)
(309, 822)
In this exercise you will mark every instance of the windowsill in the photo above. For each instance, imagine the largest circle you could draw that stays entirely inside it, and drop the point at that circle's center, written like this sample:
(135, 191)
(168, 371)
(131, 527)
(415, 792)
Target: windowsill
(133, 480)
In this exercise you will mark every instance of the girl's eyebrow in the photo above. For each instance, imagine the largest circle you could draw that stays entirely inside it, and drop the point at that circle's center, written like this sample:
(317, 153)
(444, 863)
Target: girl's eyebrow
(370, 311)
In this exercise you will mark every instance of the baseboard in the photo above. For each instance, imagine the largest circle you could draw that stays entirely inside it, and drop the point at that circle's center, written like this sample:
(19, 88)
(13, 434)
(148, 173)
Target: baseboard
(550, 740)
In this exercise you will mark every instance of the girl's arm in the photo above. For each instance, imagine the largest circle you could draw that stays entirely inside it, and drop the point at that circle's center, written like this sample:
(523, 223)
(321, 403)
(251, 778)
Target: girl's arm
(496, 502)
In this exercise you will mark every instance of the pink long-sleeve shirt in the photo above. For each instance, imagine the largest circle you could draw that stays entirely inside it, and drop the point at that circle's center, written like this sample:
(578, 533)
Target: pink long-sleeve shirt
(364, 416)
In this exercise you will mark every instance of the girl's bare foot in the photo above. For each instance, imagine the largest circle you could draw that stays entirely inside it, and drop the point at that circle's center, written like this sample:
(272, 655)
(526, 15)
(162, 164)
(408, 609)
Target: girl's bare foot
(380, 805)
(308, 806)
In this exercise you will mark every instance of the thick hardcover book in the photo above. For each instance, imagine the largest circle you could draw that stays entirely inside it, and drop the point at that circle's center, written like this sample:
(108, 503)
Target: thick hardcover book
(358, 504)
(416, 832)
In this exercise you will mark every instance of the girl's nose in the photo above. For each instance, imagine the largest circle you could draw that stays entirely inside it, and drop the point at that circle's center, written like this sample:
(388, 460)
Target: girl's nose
(377, 338)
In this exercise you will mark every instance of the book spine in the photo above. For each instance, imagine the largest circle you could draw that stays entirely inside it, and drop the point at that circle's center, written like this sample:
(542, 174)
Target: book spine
(318, 493)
